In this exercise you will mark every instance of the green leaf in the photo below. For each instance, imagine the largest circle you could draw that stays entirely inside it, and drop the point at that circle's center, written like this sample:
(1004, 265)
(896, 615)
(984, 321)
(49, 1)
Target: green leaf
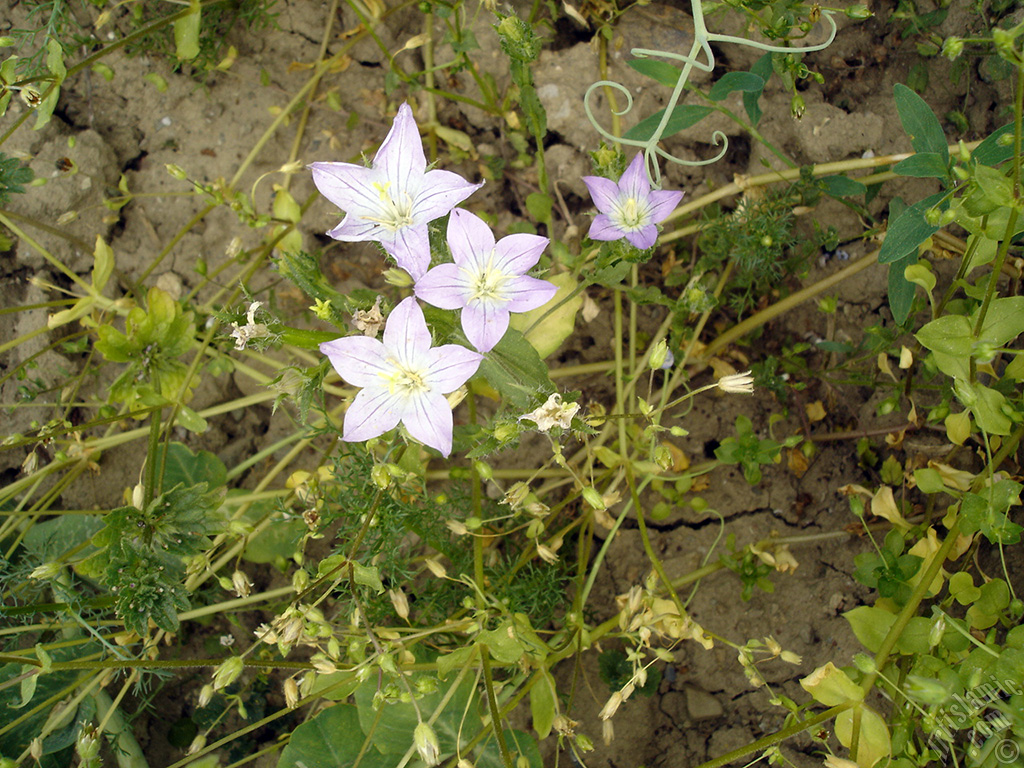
(923, 165)
(542, 703)
(988, 405)
(516, 371)
(539, 206)
(842, 186)
(546, 335)
(186, 32)
(332, 738)
(51, 539)
(394, 723)
(920, 123)
(762, 68)
(186, 468)
(990, 151)
(747, 82)
(873, 742)
(1004, 321)
(524, 749)
(901, 290)
(908, 230)
(683, 116)
(661, 71)
(994, 190)
(949, 334)
(870, 624)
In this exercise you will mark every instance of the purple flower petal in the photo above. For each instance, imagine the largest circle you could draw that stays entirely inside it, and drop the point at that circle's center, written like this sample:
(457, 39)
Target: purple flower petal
(359, 360)
(634, 182)
(400, 158)
(601, 228)
(662, 203)
(443, 286)
(409, 247)
(644, 237)
(372, 413)
(354, 230)
(450, 366)
(605, 192)
(526, 293)
(469, 239)
(484, 324)
(519, 253)
(406, 334)
(429, 420)
(439, 193)
(346, 185)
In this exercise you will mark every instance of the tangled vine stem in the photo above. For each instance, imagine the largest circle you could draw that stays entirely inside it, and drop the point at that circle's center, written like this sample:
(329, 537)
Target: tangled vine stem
(702, 40)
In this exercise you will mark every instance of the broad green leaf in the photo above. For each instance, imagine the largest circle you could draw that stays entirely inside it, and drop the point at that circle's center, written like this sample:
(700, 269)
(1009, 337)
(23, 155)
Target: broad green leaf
(539, 206)
(542, 703)
(949, 334)
(332, 738)
(747, 82)
(546, 335)
(870, 624)
(54, 63)
(901, 290)
(503, 645)
(988, 405)
(762, 68)
(524, 749)
(1004, 321)
(661, 71)
(920, 123)
(187, 468)
(923, 165)
(919, 274)
(394, 724)
(51, 539)
(994, 190)
(829, 685)
(455, 660)
(842, 186)
(104, 264)
(186, 32)
(683, 116)
(516, 371)
(873, 743)
(990, 151)
(915, 636)
(908, 230)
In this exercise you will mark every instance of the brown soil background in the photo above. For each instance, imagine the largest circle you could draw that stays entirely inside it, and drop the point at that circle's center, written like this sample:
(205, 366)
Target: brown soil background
(126, 126)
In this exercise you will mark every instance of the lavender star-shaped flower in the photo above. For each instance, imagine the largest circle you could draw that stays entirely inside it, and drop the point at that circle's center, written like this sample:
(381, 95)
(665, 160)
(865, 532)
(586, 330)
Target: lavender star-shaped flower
(393, 200)
(630, 208)
(403, 379)
(487, 280)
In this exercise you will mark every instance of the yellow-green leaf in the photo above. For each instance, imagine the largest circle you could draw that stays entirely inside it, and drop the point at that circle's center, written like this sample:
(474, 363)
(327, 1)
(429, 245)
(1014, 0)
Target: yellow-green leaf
(186, 33)
(548, 334)
(873, 743)
(830, 686)
(104, 265)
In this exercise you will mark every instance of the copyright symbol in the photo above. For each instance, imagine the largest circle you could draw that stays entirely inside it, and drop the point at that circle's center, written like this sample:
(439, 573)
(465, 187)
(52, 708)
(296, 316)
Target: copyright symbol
(1007, 751)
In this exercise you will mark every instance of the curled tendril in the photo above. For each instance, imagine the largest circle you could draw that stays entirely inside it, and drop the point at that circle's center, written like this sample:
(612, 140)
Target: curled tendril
(702, 40)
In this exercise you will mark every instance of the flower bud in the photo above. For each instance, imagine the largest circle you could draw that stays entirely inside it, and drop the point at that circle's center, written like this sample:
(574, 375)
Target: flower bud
(176, 171)
(858, 12)
(952, 47)
(797, 107)
(659, 355)
(241, 583)
(205, 695)
(291, 693)
(197, 745)
(228, 671)
(426, 743)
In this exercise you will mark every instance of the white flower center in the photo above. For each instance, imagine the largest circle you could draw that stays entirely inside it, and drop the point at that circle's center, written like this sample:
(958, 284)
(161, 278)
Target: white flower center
(630, 214)
(487, 284)
(394, 214)
(406, 381)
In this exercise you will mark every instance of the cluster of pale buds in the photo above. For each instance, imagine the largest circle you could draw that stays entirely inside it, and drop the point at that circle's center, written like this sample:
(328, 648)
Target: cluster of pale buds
(298, 625)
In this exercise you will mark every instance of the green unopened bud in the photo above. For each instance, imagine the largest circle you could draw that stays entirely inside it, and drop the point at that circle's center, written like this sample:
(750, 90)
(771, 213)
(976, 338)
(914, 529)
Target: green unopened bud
(663, 457)
(864, 663)
(952, 47)
(176, 171)
(948, 217)
(426, 743)
(484, 470)
(932, 216)
(658, 355)
(936, 632)
(205, 695)
(858, 12)
(229, 671)
(961, 173)
(797, 107)
(381, 476)
(593, 498)
(1004, 40)
(398, 278)
(87, 745)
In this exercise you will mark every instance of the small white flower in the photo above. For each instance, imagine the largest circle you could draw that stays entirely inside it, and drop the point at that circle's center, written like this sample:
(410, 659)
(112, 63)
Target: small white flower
(251, 330)
(554, 413)
(737, 383)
